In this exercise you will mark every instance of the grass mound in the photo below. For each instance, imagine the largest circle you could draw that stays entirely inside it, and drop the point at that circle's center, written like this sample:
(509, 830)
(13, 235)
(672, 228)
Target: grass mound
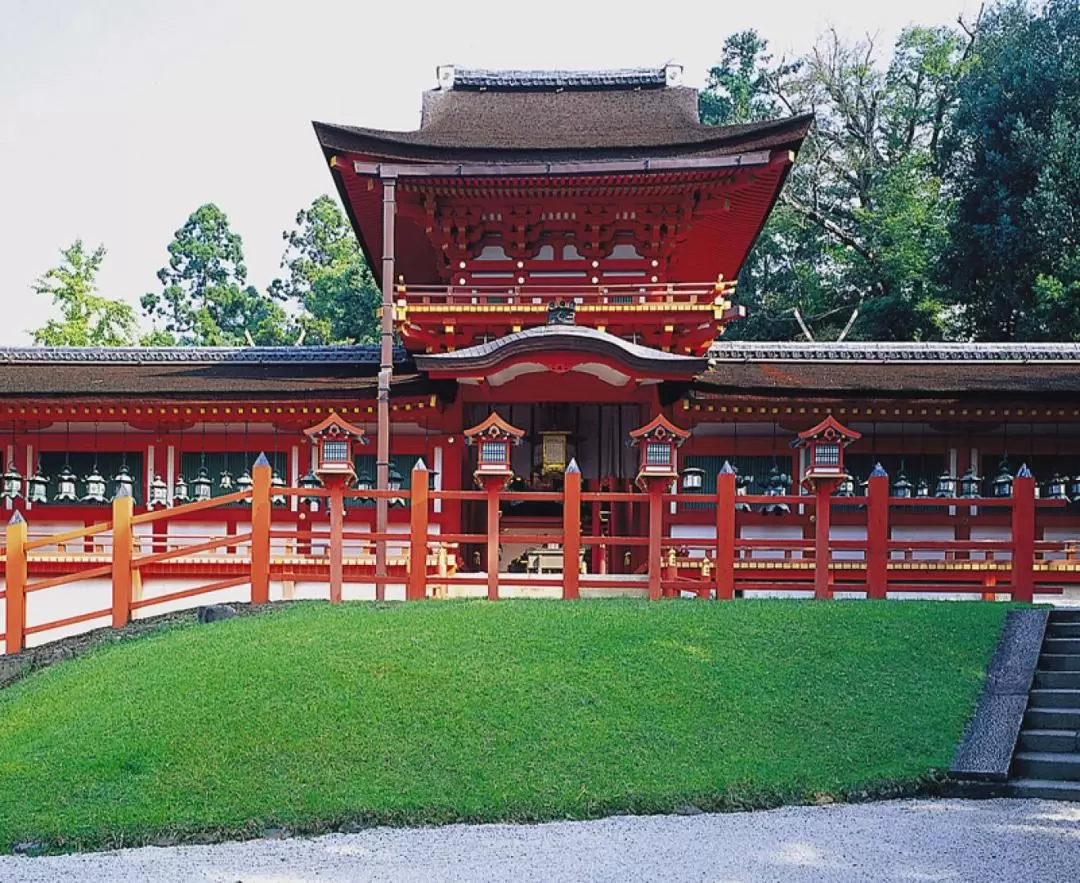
(313, 716)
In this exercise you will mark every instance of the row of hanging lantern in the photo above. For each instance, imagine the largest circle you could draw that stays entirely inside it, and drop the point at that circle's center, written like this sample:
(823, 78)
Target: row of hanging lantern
(363, 482)
(37, 485)
(968, 486)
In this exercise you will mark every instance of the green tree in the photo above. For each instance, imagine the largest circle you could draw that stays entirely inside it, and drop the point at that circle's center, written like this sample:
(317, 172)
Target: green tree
(327, 279)
(853, 247)
(1014, 265)
(86, 318)
(205, 299)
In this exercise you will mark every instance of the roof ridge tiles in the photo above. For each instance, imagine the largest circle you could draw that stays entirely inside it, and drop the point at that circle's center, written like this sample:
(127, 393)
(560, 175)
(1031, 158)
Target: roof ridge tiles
(514, 79)
(901, 351)
(343, 353)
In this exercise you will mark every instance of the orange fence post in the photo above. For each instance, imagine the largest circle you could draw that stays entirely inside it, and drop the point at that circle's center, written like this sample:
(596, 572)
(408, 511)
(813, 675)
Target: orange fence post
(418, 530)
(823, 489)
(725, 533)
(336, 508)
(1023, 536)
(16, 583)
(493, 540)
(260, 531)
(572, 532)
(122, 510)
(656, 535)
(877, 533)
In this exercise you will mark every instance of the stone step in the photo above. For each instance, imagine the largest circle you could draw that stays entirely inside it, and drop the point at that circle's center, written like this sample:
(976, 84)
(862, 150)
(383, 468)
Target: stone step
(1068, 614)
(1061, 645)
(1047, 765)
(1049, 740)
(1054, 699)
(1044, 789)
(1060, 662)
(1057, 680)
(1052, 719)
(1063, 630)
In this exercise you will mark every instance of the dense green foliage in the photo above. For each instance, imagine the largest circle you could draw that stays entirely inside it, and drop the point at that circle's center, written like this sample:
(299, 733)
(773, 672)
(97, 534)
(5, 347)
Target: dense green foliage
(86, 318)
(328, 280)
(315, 715)
(205, 298)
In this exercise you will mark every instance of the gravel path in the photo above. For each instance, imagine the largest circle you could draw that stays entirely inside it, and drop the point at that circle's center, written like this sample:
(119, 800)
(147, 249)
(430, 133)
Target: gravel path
(938, 840)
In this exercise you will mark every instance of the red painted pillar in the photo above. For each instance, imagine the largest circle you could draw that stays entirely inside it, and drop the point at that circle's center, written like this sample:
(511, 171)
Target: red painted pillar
(572, 531)
(492, 488)
(121, 560)
(656, 533)
(1023, 536)
(823, 489)
(260, 531)
(877, 534)
(725, 533)
(418, 530)
(15, 576)
(336, 503)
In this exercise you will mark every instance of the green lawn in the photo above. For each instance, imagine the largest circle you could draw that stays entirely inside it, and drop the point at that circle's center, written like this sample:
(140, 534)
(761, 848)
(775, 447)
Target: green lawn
(312, 716)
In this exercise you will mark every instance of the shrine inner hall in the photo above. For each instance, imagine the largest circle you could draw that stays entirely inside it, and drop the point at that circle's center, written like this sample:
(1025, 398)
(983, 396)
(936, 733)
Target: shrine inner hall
(557, 253)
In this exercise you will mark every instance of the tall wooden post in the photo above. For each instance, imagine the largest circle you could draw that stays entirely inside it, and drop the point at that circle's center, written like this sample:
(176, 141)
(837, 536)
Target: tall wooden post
(877, 533)
(725, 533)
(492, 487)
(572, 531)
(1023, 536)
(823, 489)
(656, 534)
(418, 533)
(15, 591)
(336, 503)
(260, 530)
(122, 510)
(386, 369)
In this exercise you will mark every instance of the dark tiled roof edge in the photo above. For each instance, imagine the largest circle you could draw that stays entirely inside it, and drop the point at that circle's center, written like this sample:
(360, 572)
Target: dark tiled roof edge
(478, 78)
(257, 355)
(748, 351)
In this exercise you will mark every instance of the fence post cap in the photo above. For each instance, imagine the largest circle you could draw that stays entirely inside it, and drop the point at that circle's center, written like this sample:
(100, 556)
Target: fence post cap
(1023, 472)
(879, 471)
(572, 466)
(17, 518)
(261, 460)
(122, 492)
(420, 466)
(727, 468)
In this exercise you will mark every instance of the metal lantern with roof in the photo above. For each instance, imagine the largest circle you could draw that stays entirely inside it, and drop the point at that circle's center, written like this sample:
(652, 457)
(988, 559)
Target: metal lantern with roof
(226, 482)
(66, 490)
(1003, 481)
(123, 483)
(778, 485)
(365, 482)
(846, 488)
(37, 486)
(742, 489)
(1074, 487)
(693, 478)
(201, 485)
(970, 482)
(180, 491)
(902, 488)
(12, 482)
(159, 494)
(277, 498)
(1055, 488)
(946, 485)
(310, 482)
(95, 486)
(393, 482)
(245, 483)
(922, 489)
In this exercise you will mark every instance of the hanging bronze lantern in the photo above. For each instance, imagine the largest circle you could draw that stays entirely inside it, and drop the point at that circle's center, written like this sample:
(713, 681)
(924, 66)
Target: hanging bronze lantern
(66, 491)
(37, 486)
(95, 486)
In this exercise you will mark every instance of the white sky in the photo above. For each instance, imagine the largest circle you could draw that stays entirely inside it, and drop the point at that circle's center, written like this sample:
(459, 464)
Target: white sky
(118, 117)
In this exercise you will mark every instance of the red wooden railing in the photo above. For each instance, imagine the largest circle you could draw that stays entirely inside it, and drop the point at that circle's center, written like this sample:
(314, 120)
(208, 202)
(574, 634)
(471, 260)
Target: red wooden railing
(720, 566)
